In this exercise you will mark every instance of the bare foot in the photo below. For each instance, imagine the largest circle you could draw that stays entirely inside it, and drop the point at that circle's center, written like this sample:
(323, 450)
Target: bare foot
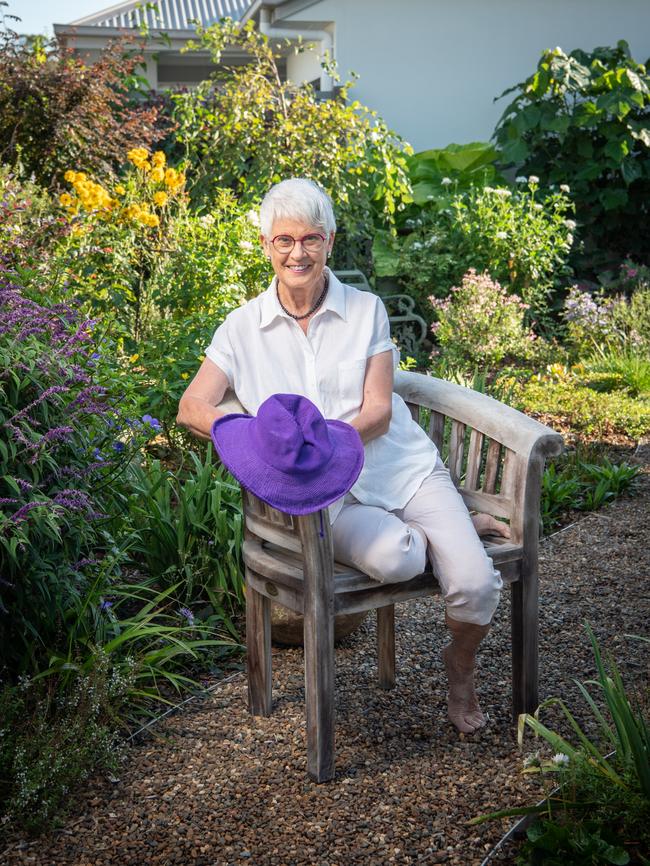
(463, 707)
(485, 524)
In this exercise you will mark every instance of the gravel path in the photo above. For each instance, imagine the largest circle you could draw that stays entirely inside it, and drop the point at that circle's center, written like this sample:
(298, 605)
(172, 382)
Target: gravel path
(217, 787)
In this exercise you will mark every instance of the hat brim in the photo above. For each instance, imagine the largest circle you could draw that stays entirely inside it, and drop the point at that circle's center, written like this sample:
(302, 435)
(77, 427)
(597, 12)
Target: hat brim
(296, 495)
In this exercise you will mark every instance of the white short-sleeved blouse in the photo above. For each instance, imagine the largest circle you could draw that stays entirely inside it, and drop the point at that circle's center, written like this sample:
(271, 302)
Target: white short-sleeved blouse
(263, 351)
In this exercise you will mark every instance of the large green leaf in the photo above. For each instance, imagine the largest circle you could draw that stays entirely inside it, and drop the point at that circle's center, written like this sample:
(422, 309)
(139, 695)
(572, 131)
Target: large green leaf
(385, 258)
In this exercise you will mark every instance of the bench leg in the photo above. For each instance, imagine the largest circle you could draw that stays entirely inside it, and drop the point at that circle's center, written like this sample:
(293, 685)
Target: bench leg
(258, 655)
(386, 646)
(319, 690)
(525, 664)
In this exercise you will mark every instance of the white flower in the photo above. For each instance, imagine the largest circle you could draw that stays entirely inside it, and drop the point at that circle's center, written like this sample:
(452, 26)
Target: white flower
(533, 179)
(521, 179)
(569, 239)
(245, 245)
(253, 217)
(430, 197)
(432, 240)
(502, 192)
(207, 220)
(445, 181)
(538, 206)
(570, 224)
(560, 759)
(564, 187)
(502, 236)
(416, 246)
(532, 760)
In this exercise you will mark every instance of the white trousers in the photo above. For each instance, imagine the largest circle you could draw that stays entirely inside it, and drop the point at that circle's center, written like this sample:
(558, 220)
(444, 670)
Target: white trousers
(389, 546)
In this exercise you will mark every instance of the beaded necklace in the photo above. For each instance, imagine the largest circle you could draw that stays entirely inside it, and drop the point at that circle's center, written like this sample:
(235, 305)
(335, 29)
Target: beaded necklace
(319, 301)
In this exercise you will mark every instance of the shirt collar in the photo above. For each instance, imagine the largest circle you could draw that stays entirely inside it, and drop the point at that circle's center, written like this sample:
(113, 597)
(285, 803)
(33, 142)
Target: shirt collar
(334, 301)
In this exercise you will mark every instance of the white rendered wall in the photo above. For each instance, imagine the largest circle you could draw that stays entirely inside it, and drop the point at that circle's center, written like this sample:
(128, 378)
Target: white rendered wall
(431, 68)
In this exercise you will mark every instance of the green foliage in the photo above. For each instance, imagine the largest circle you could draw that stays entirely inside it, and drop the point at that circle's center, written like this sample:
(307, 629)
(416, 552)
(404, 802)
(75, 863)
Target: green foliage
(581, 120)
(480, 323)
(521, 238)
(54, 114)
(624, 370)
(189, 531)
(601, 811)
(437, 175)
(550, 843)
(574, 482)
(568, 400)
(65, 442)
(53, 737)
(248, 129)
(612, 320)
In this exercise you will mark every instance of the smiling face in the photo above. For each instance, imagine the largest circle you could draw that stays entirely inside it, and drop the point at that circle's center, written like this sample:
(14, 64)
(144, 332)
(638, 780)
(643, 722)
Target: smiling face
(299, 271)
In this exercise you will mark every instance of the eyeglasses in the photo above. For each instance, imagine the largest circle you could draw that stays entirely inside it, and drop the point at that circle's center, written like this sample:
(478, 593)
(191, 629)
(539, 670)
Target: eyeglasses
(312, 243)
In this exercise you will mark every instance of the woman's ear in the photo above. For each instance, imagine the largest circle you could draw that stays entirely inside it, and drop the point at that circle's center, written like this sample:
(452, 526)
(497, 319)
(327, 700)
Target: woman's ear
(330, 243)
(265, 246)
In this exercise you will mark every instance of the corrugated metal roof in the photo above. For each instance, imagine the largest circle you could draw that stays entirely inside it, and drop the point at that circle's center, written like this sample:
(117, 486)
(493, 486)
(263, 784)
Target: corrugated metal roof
(165, 14)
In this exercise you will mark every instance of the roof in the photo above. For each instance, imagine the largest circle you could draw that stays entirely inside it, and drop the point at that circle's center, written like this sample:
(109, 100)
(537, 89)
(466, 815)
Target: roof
(165, 14)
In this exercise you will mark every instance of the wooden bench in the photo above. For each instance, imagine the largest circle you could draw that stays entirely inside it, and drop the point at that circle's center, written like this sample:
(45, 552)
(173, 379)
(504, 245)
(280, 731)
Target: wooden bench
(496, 456)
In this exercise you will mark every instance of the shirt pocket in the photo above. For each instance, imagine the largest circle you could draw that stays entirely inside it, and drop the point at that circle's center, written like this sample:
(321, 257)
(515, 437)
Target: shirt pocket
(351, 376)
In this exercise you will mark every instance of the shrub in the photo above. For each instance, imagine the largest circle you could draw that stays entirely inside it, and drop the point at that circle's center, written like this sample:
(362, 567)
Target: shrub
(53, 737)
(523, 240)
(581, 120)
(480, 323)
(248, 129)
(162, 276)
(564, 398)
(65, 441)
(618, 323)
(30, 222)
(121, 234)
(55, 112)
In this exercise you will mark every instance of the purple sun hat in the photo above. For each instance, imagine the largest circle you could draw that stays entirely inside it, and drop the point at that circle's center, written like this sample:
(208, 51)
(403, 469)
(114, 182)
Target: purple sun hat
(288, 455)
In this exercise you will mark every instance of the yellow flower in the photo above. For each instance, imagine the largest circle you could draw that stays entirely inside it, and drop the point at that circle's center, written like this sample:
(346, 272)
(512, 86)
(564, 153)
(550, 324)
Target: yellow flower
(185, 375)
(65, 199)
(70, 175)
(119, 190)
(149, 219)
(158, 159)
(134, 358)
(133, 211)
(158, 174)
(171, 177)
(160, 199)
(138, 156)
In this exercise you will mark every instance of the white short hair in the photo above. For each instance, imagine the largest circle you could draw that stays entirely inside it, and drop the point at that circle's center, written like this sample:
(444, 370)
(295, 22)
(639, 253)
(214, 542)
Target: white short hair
(300, 199)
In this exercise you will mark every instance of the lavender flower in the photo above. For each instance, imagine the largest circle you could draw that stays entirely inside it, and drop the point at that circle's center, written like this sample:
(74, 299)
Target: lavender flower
(187, 613)
(152, 422)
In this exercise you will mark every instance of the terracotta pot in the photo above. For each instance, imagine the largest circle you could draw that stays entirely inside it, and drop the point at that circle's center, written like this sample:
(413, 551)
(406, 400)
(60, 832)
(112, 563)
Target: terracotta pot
(287, 626)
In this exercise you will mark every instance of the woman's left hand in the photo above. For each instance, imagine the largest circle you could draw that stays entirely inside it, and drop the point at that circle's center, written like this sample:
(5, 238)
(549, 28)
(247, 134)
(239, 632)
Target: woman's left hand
(485, 524)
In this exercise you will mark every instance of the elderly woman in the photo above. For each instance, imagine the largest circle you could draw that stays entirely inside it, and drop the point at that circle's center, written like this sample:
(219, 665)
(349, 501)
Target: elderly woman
(311, 335)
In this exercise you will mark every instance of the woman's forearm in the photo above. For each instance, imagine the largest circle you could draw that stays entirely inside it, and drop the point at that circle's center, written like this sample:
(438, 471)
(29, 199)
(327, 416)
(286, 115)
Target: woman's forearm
(372, 422)
(197, 416)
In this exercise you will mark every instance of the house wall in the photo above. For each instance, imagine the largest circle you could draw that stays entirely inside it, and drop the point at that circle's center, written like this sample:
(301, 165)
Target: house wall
(432, 68)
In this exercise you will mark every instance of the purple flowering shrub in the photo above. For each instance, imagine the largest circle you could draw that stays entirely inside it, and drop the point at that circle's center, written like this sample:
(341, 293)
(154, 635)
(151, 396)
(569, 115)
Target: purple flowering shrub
(64, 441)
(618, 320)
(480, 324)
